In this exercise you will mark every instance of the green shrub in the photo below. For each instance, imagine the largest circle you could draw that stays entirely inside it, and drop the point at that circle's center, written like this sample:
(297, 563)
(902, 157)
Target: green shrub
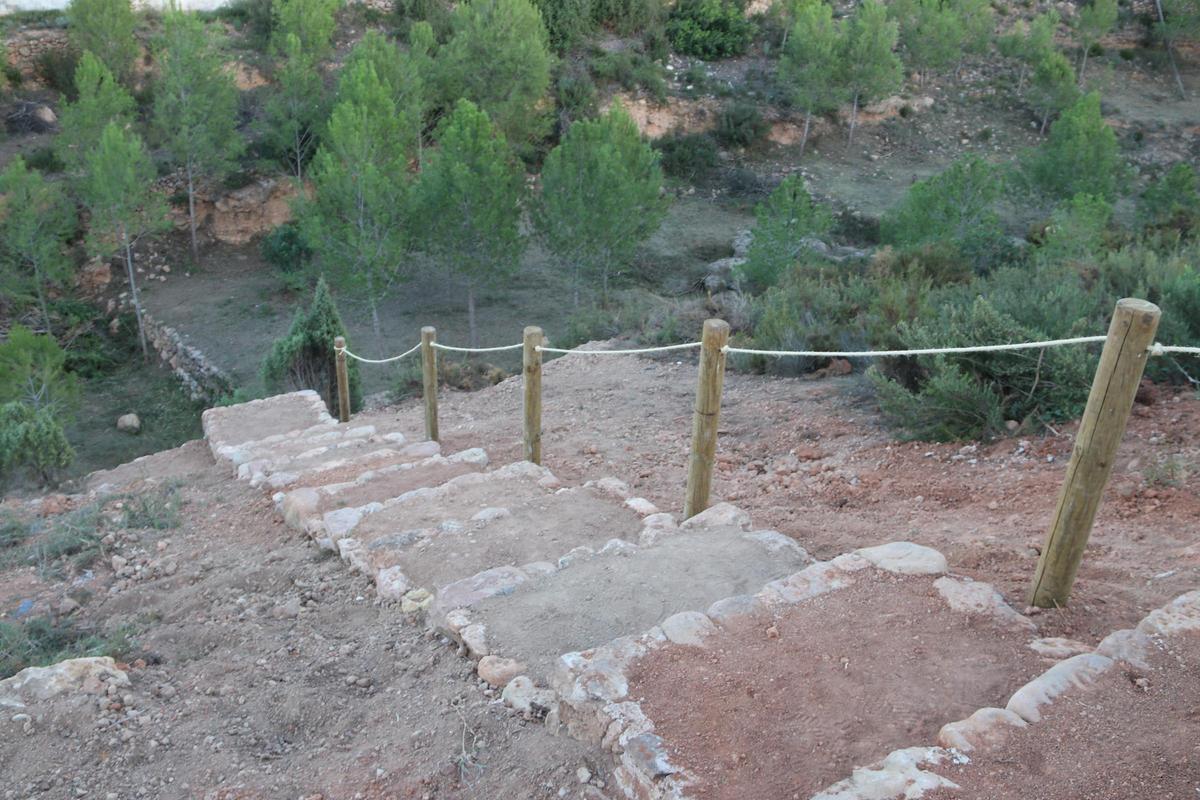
(1076, 229)
(1172, 201)
(590, 323)
(568, 22)
(13, 531)
(1043, 385)
(45, 159)
(576, 95)
(153, 510)
(435, 12)
(32, 439)
(687, 155)
(631, 70)
(709, 29)
(628, 16)
(955, 208)
(950, 405)
(740, 124)
(782, 224)
(251, 17)
(56, 69)
(304, 358)
(285, 249)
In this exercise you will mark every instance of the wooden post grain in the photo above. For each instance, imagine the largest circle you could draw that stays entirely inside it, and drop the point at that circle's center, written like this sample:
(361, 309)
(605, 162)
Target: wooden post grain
(343, 380)
(429, 380)
(532, 362)
(1117, 377)
(706, 416)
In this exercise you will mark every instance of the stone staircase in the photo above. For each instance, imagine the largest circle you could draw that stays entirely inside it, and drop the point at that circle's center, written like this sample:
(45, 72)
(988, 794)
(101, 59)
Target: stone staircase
(595, 611)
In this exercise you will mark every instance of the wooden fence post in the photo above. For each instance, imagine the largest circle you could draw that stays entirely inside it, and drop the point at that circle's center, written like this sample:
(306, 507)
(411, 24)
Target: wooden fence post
(343, 380)
(429, 379)
(1117, 377)
(532, 363)
(706, 416)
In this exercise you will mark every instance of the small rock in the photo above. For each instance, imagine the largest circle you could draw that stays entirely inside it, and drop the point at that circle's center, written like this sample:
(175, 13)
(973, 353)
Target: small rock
(499, 671)
(129, 423)
(583, 774)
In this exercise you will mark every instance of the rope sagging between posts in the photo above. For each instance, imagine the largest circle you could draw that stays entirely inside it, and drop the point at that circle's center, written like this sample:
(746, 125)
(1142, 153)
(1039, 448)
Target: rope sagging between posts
(633, 352)
(408, 352)
(453, 349)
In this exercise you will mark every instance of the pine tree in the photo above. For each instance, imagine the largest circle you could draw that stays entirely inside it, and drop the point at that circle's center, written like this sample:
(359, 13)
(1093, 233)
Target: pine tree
(117, 191)
(601, 197)
(498, 58)
(195, 106)
(469, 204)
(305, 358)
(295, 111)
(105, 28)
(870, 69)
(978, 21)
(931, 33)
(399, 72)
(36, 220)
(1029, 43)
(310, 21)
(810, 57)
(1081, 155)
(355, 219)
(1053, 87)
(1177, 19)
(100, 100)
(1092, 24)
(782, 224)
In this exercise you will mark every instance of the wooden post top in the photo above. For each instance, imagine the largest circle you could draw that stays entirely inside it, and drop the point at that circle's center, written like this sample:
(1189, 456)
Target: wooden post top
(339, 342)
(428, 330)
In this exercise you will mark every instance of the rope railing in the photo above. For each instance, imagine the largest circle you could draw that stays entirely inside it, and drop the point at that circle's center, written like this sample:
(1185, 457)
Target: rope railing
(1156, 349)
(1130, 340)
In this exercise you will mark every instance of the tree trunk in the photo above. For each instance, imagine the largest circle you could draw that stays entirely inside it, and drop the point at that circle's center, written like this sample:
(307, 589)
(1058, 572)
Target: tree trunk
(472, 331)
(575, 286)
(853, 119)
(298, 149)
(1083, 65)
(1045, 121)
(191, 186)
(133, 292)
(804, 136)
(41, 294)
(1170, 50)
(1021, 77)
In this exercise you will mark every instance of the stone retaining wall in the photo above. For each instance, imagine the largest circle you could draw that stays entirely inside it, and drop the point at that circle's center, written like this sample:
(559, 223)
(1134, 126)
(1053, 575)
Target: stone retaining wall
(202, 379)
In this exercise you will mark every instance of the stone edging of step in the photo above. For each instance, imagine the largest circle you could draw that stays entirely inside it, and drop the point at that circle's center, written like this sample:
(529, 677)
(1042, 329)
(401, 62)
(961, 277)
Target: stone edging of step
(909, 772)
(591, 687)
(258, 467)
(340, 523)
(280, 481)
(299, 506)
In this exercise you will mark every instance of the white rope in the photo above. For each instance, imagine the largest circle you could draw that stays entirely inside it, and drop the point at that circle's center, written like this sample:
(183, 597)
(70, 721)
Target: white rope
(414, 349)
(663, 349)
(930, 351)
(1157, 349)
(440, 346)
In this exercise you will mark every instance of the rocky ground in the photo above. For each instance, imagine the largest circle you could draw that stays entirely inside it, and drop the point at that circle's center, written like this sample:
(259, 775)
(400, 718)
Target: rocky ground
(262, 668)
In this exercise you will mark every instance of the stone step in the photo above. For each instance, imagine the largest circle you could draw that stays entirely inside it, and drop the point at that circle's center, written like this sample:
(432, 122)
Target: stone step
(589, 596)
(777, 693)
(283, 446)
(450, 506)
(1126, 710)
(230, 426)
(531, 537)
(344, 468)
(316, 452)
(379, 475)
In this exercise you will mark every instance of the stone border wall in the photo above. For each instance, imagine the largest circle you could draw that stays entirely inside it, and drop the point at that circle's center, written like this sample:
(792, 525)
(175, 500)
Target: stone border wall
(202, 379)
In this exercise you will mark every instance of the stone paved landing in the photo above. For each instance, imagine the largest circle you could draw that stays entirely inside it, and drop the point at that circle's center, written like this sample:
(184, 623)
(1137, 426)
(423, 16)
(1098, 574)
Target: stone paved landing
(590, 595)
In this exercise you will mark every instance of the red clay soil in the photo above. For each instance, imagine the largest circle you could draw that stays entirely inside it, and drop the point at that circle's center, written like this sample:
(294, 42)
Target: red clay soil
(780, 707)
(1131, 736)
